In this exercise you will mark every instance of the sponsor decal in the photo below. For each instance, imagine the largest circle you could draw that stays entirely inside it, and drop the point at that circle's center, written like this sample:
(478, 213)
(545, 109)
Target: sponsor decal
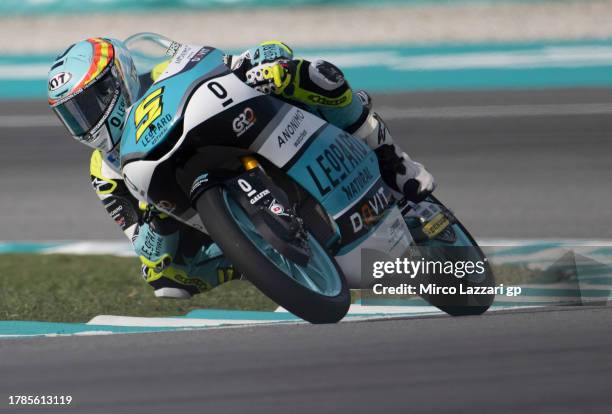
(288, 133)
(103, 186)
(184, 58)
(369, 211)
(59, 80)
(245, 120)
(366, 213)
(121, 211)
(321, 100)
(382, 130)
(259, 196)
(100, 131)
(157, 130)
(186, 52)
(336, 162)
(291, 133)
(196, 57)
(172, 49)
(436, 225)
(199, 182)
(152, 245)
(252, 193)
(118, 115)
(361, 181)
(148, 110)
(199, 55)
(150, 124)
(277, 208)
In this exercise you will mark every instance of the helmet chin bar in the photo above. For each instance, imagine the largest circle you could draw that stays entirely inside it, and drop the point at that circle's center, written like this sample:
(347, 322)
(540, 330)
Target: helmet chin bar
(100, 139)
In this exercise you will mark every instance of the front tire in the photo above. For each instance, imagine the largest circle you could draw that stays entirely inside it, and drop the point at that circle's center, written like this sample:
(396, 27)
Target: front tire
(317, 293)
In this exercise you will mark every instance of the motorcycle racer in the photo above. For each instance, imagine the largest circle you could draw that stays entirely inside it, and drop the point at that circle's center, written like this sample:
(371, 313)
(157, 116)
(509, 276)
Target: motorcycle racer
(91, 87)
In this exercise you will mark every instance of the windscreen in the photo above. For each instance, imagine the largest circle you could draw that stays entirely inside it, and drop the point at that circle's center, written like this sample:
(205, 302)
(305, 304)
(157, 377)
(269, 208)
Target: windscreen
(148, 50)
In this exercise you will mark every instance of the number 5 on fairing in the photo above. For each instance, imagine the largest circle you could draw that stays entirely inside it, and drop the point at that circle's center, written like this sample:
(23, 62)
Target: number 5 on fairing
(147, 111)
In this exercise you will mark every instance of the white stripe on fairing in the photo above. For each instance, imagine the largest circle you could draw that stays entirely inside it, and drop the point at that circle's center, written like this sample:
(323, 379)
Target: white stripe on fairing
(397, 113)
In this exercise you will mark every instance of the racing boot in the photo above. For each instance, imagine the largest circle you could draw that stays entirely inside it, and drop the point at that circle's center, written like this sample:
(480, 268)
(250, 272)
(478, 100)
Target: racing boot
(398, 170)
(177, 260)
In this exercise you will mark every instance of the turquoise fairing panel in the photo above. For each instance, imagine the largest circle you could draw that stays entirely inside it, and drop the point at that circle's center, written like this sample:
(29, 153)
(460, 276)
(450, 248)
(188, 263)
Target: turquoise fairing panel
(159, 109)
(336, 169)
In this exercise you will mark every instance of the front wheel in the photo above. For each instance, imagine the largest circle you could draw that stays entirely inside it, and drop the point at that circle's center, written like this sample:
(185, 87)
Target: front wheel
(316, 292)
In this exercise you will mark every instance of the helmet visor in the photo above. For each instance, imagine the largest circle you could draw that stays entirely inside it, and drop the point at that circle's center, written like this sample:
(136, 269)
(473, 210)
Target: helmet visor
(85, 109)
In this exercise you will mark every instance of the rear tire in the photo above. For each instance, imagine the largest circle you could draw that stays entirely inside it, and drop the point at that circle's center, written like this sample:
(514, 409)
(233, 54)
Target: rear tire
(464, 305)
(314, 307)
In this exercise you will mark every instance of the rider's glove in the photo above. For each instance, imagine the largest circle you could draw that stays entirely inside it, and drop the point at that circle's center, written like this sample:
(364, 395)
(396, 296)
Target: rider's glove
(272, 77)
(269, 52)
(266, 54)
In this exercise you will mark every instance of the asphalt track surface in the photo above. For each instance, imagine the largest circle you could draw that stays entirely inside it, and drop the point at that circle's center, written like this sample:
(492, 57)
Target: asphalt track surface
(530, 173)
(545, 361)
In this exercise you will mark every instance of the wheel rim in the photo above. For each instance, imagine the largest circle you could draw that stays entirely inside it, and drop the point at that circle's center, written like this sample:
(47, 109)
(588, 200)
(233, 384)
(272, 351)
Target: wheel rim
(319, 275)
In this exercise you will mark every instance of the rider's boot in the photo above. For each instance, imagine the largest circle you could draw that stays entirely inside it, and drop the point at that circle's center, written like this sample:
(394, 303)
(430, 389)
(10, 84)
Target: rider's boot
(178, 261)
(398, 170)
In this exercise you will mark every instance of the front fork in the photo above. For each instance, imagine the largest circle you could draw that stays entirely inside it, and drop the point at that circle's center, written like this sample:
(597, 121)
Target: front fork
(269, 209)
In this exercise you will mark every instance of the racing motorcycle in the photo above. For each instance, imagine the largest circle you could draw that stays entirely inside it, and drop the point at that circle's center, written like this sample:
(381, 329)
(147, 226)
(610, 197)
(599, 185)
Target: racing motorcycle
(290, 199)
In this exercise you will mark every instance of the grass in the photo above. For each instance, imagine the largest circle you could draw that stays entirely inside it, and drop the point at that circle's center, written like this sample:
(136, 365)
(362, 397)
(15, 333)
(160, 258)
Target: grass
(69, 288)
(66, 288)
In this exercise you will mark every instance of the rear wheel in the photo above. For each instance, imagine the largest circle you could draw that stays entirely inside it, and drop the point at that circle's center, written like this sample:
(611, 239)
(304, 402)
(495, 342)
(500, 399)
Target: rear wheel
(316, 292)
(463, 248)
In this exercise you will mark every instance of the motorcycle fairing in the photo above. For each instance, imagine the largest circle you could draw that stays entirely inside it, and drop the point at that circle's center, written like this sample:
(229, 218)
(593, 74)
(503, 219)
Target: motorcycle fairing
(161, 107)
(205, 104)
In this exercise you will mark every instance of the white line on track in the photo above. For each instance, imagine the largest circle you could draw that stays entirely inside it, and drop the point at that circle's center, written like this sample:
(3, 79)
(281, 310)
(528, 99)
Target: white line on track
(389, 112)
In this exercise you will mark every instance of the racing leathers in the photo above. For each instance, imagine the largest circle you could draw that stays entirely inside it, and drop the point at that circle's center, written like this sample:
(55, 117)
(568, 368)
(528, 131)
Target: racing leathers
(179, 261)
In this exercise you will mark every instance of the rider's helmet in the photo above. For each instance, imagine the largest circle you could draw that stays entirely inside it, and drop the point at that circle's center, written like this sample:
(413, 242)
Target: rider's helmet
(91, 85)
